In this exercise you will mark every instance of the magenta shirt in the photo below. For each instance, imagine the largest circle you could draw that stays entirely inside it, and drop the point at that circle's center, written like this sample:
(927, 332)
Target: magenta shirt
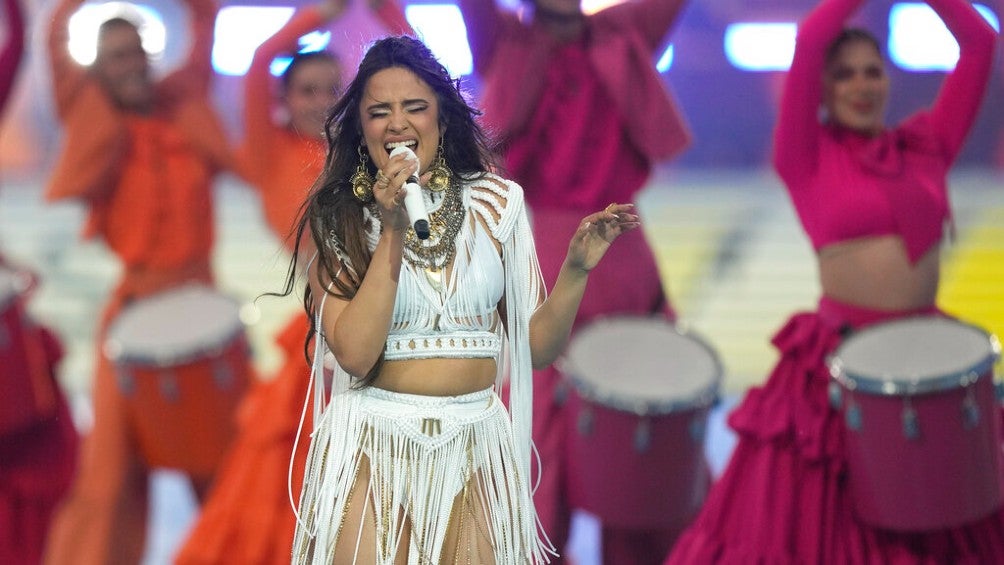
(845, 185)
(575, 152)
(513, 58)
(10, 55)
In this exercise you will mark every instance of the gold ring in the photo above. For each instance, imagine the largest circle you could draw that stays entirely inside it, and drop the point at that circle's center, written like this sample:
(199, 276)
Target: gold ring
(608, 208)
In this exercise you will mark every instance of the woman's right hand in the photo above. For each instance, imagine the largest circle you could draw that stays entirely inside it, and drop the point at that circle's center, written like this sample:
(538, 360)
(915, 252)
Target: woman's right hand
(389, 191)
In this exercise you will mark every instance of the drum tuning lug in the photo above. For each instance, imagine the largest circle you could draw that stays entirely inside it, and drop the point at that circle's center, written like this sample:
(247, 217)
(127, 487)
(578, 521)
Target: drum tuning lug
(970, 416)
(222, 375)
(560, 393)
(970, 413)
(911, 426)
(835, 395)
(169, 386)
(585, 422)
(642, 436)
(697, 428)
(853, 418)
(127, 386)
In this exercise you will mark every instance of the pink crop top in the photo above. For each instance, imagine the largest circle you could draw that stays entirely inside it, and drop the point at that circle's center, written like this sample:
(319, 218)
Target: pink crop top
(846, 185)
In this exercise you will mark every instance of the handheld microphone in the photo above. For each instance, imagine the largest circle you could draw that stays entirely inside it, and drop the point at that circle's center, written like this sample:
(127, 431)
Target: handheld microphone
(414, 204)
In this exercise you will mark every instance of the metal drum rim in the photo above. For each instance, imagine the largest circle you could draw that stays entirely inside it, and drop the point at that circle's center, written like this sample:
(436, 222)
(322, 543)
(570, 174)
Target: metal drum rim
(112, 348)
(885, 385)
(705, 397)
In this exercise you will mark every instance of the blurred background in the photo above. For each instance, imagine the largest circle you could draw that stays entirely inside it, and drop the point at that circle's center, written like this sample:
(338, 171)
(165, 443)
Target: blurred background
(734, 257)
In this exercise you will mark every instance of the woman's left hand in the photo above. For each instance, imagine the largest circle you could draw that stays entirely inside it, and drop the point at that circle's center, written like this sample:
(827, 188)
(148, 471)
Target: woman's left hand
(596, 232)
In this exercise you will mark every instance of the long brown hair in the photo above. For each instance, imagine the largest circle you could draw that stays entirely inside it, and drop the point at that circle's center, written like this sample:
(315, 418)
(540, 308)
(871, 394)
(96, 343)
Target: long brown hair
(332, 213)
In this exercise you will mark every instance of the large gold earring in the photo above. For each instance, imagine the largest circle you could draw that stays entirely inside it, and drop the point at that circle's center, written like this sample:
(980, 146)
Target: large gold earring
(441, 173)
(362, 182)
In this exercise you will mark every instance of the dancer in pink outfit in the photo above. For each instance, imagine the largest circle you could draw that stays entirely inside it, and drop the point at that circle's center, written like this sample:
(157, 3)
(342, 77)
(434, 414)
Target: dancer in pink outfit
(583, 116)
(873, 202)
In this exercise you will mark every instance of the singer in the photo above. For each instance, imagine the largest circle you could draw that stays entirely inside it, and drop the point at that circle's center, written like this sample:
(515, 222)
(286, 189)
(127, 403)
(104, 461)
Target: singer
(414, 458)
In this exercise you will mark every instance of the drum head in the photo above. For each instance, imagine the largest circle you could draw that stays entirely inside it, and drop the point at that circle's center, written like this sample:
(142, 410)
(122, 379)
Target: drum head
(914, 355)
(173, 326)
(642, 365)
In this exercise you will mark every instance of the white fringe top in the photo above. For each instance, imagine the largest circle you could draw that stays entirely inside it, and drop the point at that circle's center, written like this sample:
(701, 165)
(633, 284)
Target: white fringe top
(456, 317)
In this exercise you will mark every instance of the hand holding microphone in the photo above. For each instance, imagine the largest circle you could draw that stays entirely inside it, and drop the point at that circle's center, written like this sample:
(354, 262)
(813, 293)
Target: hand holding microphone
(414, 203)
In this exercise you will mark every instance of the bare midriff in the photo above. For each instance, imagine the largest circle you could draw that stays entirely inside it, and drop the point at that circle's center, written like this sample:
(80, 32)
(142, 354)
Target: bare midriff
(875, 272)
(437, 377)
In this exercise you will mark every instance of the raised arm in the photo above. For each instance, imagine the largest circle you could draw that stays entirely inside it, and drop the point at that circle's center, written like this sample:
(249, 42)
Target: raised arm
(389, 13)
(654, 18)
(796, 135)
(13, 48)
(195, 76)
(68, 77)
(958, 102)
(484, 22)
(259, 129)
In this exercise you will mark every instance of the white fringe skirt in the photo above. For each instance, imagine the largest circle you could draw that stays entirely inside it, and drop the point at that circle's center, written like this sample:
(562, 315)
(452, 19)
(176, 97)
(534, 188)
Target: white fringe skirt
(422, 451)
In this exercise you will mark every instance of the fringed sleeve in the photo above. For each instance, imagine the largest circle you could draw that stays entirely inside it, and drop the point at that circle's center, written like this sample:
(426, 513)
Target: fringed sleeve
(502, 206)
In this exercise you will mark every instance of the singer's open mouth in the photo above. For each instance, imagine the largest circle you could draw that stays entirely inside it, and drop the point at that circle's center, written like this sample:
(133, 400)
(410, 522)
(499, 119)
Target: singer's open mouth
(411, 144)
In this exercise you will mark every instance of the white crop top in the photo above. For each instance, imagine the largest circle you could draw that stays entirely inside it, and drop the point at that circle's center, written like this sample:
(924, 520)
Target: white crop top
(455, 316)
(457, 320)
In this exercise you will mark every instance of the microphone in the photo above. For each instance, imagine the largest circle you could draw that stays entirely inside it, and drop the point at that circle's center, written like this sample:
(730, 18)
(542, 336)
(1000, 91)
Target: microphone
(414, 204)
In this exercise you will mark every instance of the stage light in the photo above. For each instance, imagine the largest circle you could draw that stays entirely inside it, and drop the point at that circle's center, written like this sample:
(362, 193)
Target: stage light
(84, 24)
(240, 30)
(441, 27)
(666, 61)
(919, 40)
(751, 46)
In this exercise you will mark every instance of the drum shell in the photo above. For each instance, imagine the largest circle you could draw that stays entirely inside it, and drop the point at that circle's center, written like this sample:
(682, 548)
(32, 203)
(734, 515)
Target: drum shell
(945, 477)
(662, 487)
(184, 416)
(27, 386)
(28, 354)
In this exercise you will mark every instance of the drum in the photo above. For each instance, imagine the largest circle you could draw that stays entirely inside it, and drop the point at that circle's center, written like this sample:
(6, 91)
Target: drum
(641, 393)
(27, 390)
(182, 363)
(923, 424)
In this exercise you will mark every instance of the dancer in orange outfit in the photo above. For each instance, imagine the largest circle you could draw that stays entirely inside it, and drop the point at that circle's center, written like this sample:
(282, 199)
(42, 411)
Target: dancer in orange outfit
(38, 442)
(142, 155)
(247, 519)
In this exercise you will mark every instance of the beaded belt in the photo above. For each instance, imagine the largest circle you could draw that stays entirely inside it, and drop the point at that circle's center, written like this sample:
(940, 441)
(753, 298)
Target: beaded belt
(458, 345)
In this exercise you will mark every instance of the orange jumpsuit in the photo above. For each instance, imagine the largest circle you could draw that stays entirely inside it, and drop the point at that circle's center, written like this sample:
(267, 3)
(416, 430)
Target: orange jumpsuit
(247, 519)
(147, 180)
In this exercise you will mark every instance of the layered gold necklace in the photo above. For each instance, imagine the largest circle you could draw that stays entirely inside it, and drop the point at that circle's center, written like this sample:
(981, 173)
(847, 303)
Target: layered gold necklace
(435, 253)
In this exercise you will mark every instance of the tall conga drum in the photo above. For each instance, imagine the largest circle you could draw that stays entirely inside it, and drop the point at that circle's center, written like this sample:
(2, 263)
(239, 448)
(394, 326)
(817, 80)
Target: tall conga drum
(182, 363)
(922, 422)
(640, 397)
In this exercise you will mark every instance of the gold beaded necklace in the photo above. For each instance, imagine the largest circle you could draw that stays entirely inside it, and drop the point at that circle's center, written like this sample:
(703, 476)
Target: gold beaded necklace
(436, 252)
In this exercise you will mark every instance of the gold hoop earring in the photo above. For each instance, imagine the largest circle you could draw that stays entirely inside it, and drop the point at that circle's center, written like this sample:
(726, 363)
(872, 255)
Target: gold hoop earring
(441, 176)
(362, 182)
